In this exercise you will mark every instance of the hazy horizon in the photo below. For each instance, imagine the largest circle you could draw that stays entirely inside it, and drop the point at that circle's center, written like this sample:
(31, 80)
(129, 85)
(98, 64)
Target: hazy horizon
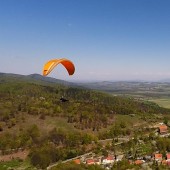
(93, 81)
(106, 40)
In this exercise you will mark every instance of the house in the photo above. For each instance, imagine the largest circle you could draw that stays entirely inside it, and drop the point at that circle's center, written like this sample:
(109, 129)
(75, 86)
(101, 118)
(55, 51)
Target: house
(158, 157)
(108, 160)
(168, 159)
(139, 162)
(168, 156)
(119, 157)
(168, 163)
(90, 162)
(163, 129)
(77, 161)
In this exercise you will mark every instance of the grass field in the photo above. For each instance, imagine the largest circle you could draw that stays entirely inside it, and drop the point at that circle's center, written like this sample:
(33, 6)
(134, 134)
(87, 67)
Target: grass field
(8, 165)
(17, 165)
(163, 102)
(128, 119)
(162, 99)
(44, 125)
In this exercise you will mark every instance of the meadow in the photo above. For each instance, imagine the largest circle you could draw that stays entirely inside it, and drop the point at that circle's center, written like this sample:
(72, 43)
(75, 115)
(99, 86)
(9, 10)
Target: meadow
(163, 102)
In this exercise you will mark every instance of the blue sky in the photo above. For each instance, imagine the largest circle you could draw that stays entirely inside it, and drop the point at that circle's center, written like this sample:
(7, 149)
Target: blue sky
(106, 39)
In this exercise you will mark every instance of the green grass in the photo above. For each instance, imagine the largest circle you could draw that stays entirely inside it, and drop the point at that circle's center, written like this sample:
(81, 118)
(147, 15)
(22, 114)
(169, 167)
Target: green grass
(25, 165)
(163, 102)
(60, 122)
(12, 164)
(128, 119)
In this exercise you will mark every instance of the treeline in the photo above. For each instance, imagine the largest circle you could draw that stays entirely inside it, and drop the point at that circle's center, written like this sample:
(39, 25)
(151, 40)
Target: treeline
(57, 145)
(32, 137)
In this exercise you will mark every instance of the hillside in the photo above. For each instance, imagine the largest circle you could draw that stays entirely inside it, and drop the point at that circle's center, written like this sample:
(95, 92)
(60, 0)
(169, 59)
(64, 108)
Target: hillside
(32, 114)
(87, 109)
(33, 78)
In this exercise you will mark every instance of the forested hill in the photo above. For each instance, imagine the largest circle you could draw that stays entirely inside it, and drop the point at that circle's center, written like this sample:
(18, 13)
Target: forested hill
(87, 109)
(33, 78)
(32, 114)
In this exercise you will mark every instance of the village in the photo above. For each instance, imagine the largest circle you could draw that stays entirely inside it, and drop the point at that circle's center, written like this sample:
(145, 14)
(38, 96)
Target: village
(144, 161)
(110, 158)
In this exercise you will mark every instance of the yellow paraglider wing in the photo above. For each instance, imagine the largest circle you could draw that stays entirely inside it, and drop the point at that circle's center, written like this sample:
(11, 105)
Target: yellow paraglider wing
(50, 65)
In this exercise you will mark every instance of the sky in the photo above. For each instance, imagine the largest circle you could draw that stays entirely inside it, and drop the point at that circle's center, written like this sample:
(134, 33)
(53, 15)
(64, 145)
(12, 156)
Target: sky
(107, 40)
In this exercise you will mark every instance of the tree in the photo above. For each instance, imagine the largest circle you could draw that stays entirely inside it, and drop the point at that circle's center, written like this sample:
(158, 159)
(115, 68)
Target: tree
(123, 165)
(43, 156)
(33, 132)
(1, 127)
(165, 120)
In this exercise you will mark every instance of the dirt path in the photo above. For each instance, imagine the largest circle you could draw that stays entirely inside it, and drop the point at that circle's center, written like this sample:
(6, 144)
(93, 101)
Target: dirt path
(17, 155)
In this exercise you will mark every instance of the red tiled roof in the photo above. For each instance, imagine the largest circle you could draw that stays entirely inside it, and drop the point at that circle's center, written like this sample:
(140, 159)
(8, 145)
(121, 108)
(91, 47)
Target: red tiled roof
(168, 155)
(168, 163)
(110, 158)
(158, 156)
(77, 161)
(163, 128)
(90, 161)
(138, 162)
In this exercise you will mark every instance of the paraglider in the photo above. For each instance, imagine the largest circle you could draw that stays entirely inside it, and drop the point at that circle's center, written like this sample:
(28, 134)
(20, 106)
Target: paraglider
(62, 99)
(50, 65)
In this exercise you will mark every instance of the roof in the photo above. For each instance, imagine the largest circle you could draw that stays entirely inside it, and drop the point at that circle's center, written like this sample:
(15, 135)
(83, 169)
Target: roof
(163, 128)
(158, 156)
(168, 155)
(97, 160)
(110, 158)
(90, 161)
(77, 161)
(138, 162)
(168, 163)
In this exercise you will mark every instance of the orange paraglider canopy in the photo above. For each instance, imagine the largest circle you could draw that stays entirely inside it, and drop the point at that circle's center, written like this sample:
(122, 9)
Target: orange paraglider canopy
(49, 66)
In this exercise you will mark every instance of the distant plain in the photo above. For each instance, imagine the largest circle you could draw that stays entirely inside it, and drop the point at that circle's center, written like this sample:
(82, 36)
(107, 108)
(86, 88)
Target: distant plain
(157, 92)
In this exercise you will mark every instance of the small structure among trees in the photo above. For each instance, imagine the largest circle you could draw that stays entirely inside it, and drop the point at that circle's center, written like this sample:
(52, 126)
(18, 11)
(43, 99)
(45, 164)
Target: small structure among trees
(163, 129)
(158, 157)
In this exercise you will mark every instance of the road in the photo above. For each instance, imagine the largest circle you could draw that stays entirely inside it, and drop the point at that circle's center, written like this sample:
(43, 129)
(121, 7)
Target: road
(86, 154)
(124, 139)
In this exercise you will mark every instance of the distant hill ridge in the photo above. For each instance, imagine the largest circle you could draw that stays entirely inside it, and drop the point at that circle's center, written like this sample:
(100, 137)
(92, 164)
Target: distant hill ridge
(107, 86)
(34, 78)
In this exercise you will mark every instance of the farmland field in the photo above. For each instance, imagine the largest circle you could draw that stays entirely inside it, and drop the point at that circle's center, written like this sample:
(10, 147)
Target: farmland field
(157, 92)
(163, 102)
